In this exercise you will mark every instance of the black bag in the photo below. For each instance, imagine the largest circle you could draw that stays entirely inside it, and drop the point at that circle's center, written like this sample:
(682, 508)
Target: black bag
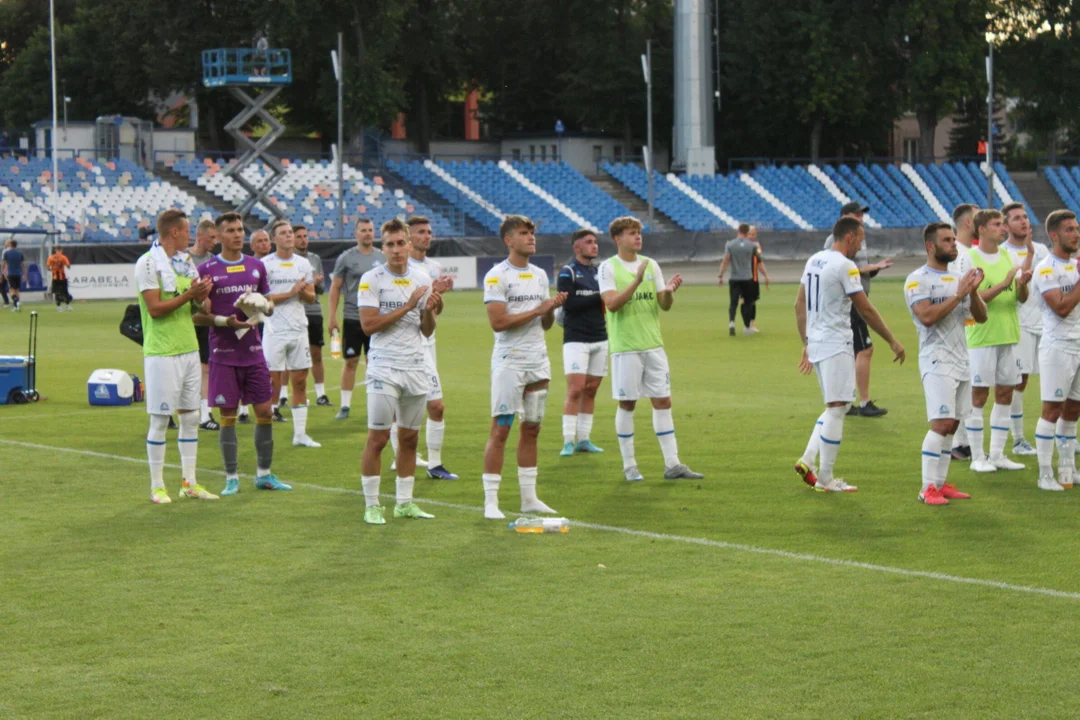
(131, 325)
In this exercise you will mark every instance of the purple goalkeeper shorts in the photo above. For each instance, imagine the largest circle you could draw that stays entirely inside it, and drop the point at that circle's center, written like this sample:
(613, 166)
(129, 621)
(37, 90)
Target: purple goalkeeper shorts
(230, 384)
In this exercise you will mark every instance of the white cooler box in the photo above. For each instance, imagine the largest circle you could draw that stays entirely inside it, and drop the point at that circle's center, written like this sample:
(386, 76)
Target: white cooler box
(110, 387)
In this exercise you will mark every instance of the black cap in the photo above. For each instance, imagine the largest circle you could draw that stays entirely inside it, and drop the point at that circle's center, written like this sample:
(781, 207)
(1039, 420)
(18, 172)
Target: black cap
(854, 207)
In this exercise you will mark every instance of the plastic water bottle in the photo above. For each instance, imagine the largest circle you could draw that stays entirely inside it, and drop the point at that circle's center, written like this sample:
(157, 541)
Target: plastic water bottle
(540, 525)
(335, 344)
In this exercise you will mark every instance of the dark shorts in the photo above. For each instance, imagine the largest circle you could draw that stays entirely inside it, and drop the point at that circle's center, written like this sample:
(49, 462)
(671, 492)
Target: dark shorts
(229, 385)
(315, 331)
(743, 289)
(755, 291)
(15, 282)
(859, 332)
(354, 341)
(202, 333)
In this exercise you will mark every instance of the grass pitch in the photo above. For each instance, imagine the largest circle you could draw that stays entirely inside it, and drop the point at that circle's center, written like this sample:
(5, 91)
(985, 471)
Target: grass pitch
(672, 599)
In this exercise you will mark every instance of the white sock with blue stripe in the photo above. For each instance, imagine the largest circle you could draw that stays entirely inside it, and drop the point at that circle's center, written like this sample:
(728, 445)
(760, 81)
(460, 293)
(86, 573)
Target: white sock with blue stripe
(810, 454)
(664, 426)
(999, 429)
(832, 432)
(944, 461)
(188, 442)
(1066, 431)
(569, 428)
(624, 429)
(299, 418)
(1045, 433)
(931, 458)
(155, 450)
(974, 426)
(1016, 414)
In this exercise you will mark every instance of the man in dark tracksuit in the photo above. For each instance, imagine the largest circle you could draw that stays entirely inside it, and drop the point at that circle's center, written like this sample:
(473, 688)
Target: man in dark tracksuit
(585, 347)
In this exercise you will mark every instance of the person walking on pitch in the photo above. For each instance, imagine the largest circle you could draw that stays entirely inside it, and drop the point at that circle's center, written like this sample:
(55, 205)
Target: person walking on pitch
(940, 304)
(634, 293)
(828, 291)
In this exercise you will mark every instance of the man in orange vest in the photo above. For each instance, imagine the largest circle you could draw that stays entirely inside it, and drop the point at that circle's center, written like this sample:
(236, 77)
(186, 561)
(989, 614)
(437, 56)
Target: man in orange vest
(58, 264)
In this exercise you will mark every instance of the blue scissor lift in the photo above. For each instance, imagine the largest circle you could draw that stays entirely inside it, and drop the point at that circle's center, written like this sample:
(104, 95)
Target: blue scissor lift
(238, 69)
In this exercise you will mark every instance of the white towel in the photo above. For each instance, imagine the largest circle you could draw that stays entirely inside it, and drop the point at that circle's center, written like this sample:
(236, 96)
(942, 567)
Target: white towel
(169, 268)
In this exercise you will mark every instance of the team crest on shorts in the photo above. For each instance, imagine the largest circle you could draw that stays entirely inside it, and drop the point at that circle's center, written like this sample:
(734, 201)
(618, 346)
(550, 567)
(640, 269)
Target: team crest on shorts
(503, 408)
(220, 400)
(978, 378)
(164, 406)
(376, 385)
(1059, 393)
(943, 409)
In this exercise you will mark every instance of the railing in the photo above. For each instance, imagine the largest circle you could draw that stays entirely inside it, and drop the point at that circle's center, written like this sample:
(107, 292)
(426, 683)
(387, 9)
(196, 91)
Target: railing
(246, 66)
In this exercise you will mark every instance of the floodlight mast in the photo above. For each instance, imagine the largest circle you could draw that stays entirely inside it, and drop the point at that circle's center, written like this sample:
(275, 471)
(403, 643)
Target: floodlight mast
(646, 66)
(335, 58)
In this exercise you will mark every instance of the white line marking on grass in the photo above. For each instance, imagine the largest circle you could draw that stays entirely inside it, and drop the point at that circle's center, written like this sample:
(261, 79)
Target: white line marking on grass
(705, 542)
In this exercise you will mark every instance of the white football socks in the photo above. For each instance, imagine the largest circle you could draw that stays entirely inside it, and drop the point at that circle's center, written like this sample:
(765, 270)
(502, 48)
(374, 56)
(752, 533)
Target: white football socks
(945, 461)
(370, 483)
(584, 426)
(975, 424)
(999, 429)
(299, 418)
(931, 458)
(346, 398)
(810, 454)
(1045, 432)
(491, 496)
(155, 450)
(832, 432)
(624, 429)
(1066, 431)
(404, 486)
(527, 483)
(320, 390)
(1016, 415)
(204, 410)
(664, 426)
(435, 431)
(569, 428)
(187, 441)
(283, 394)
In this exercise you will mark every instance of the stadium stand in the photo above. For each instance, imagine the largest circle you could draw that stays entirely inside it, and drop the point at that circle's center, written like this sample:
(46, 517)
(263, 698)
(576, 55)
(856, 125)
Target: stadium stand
(98, 201)
(1066, 182)
(308, 193)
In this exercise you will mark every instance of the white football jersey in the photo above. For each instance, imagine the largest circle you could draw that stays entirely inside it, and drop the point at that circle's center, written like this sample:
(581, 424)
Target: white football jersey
(401, 345)
(434, 271)
(289, 315)
(829, 279)
(1030, 312)
(943, 345)
(1062, 333)
(522, 289)
(962, 264)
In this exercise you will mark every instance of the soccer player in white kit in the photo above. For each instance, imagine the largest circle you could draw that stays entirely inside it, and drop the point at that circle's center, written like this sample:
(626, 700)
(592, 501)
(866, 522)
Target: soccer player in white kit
(940, 303)
(420, 241)
(397, 310)
(520, 310)
(830, 286)
(1057, 282)
(1019, 244)
(287, 349)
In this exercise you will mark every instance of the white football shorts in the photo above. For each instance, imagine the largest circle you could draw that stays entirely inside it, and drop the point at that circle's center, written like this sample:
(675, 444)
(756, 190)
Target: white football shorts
(836, 377)
(637, 374)
(1059, 379)
(946, 398)
(508, 386)
(173, 382)
(1027, 353)
(396, 393)
(994, 366)
(433, 371)
(287, 351)
(581, 358)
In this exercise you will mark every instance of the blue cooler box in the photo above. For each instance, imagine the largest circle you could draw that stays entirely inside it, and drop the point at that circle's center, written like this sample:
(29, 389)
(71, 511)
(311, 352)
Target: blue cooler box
(13, 376)
(110, 387)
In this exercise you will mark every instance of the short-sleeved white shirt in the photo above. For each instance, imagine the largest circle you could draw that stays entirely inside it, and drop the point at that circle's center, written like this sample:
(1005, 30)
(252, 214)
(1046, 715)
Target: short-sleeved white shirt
(1061, 333)
(962, 264)
(146, 271)
(1030, 311)
(290, 317)
(943, 345)
(434, 271)
(522, 289)
(606, 273)
(830, 279)
(401, 345)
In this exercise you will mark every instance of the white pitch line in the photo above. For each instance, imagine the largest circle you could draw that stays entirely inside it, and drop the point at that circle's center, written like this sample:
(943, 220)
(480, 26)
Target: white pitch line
(705, 542)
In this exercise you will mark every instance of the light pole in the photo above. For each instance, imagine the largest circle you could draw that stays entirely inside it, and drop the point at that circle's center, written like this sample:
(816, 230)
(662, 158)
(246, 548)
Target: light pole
(646, 66)
(990, 127)
(335, 58)
(55, 157)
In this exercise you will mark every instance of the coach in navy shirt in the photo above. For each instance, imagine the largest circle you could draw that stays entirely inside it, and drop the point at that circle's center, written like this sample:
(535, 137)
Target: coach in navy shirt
(585, 347)
(12, 268)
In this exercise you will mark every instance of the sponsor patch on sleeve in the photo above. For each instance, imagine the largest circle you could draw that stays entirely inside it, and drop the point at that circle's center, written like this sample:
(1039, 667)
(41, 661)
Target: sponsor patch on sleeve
(1070, 268)
(492, 281)
(853, 272)
(365, 286)
(913, 285)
